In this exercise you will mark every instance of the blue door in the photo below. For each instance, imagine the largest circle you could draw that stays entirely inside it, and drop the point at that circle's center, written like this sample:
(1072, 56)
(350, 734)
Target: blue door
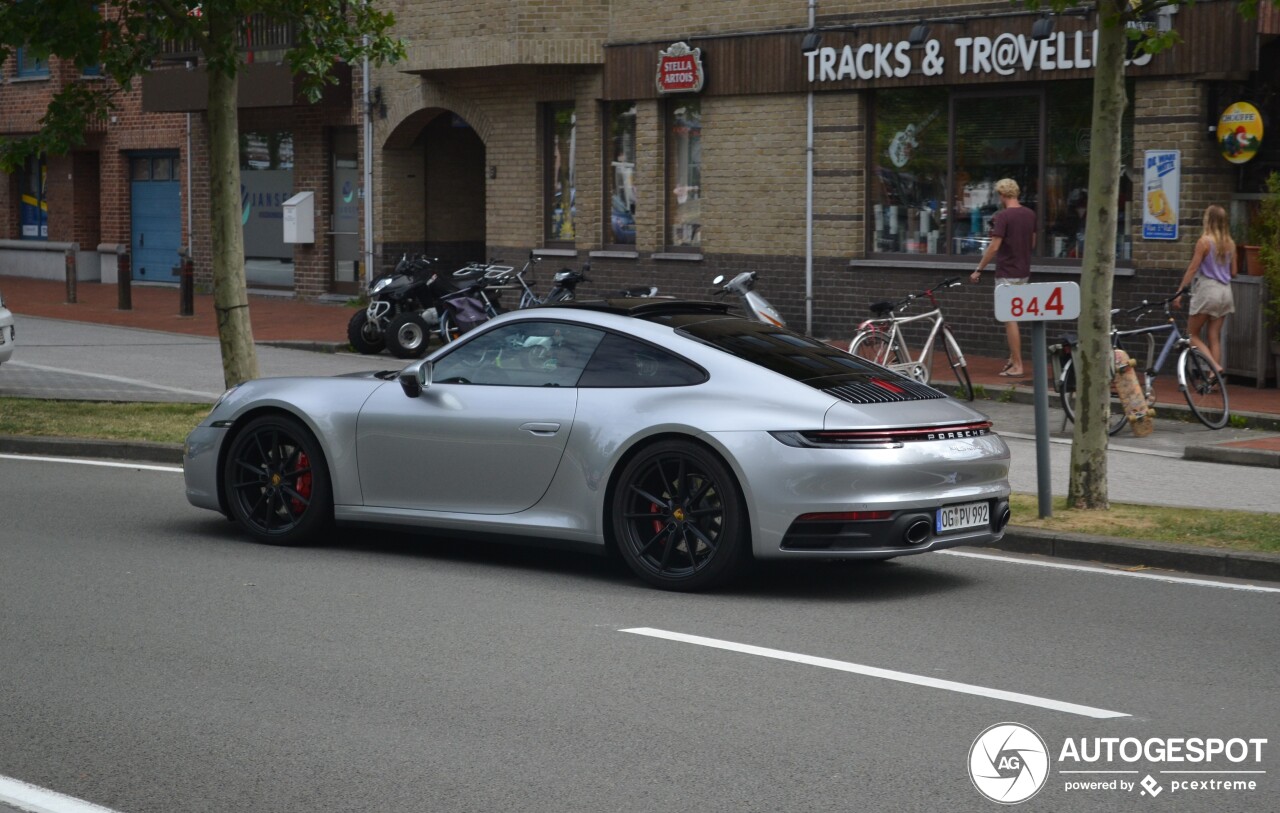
(156, 206)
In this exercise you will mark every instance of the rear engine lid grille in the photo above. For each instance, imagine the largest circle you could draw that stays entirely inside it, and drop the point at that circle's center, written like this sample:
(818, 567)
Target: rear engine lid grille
(875, 390)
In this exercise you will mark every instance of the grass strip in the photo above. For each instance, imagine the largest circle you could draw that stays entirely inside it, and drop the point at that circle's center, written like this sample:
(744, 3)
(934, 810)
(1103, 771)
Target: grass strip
(1203, 527)
(106, 420)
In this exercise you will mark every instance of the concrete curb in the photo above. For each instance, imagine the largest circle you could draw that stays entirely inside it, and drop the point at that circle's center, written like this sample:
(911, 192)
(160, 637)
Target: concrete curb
(135, 450)
(1142, 553)
(1233, 455)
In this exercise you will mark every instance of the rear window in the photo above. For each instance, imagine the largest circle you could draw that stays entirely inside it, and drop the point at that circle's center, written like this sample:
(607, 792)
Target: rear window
(806, 360)
(790, 354)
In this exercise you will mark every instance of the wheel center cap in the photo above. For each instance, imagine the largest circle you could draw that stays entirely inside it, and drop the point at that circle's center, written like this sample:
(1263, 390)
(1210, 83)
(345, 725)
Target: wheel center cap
(678, 515)
(276, 479)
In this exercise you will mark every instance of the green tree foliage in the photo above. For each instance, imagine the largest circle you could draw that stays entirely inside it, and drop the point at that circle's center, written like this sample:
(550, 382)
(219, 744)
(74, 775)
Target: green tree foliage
(123, 39)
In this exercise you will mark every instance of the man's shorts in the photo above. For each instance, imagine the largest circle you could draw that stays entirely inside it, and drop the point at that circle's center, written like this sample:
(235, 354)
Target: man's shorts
(1011, 281)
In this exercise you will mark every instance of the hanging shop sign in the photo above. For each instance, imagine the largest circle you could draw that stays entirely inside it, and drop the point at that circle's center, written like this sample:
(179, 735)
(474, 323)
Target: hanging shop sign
(680, 69)
(1240, 132)
(1162, 180)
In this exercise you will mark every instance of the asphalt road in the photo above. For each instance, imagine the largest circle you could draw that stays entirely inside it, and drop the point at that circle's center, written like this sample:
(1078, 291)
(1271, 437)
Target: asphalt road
(152, 659)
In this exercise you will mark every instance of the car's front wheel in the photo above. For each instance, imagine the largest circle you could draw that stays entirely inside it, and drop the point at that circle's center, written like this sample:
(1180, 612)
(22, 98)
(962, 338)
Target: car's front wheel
(277, 483)
(678, 519)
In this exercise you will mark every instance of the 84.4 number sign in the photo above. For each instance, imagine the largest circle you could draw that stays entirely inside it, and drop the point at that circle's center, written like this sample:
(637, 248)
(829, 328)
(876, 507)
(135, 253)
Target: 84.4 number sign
(1038, 302)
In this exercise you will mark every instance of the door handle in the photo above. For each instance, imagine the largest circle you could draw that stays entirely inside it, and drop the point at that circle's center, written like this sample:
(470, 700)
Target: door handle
(544, 430)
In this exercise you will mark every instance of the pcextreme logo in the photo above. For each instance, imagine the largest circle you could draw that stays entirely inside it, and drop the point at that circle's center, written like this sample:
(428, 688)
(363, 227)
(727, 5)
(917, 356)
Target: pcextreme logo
(1008, 763)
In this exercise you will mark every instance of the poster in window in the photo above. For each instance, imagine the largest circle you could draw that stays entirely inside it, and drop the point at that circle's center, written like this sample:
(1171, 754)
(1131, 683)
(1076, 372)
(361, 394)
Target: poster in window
(1162, 179)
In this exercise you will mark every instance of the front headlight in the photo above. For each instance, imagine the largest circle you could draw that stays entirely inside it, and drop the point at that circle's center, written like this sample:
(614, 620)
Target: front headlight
(380, 284)
(221, 398)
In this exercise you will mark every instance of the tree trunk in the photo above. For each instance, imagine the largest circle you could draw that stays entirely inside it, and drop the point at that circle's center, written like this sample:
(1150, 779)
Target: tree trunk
(1088, 481)
(230, 297)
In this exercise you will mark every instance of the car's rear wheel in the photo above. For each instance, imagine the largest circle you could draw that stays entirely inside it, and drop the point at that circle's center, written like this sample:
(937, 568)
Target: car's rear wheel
(678, 519)
(276, 482)
(365, 336)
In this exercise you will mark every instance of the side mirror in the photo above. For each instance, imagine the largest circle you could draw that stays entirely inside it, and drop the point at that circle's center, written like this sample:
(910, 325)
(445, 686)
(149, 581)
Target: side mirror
(719, 279)
(415, 378)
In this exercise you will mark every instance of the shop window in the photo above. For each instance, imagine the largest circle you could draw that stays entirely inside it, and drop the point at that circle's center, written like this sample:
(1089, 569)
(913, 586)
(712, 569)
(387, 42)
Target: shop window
(30, 65)
(620, 174)
(561, 146)
(937, 154)
(995, 137)
(684, 172)
(266, 182)
(909, 198)
(33, 209)
(1066, 190)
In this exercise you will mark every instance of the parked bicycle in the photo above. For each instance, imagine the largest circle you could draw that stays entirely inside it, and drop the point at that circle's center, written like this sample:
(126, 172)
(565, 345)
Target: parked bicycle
(1199, 381)
(476, 302)
(881, 340)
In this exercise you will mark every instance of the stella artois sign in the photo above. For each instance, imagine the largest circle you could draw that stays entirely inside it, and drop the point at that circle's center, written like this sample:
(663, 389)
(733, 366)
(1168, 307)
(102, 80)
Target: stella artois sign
(680, 69)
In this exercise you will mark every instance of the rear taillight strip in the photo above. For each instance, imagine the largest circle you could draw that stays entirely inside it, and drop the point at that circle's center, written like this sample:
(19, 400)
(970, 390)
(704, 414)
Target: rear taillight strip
(883, 437)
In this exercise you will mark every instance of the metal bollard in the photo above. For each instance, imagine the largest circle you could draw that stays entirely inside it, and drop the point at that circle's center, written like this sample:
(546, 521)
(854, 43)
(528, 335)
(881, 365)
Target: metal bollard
(187, 287)
(124, 281)
(71, 276)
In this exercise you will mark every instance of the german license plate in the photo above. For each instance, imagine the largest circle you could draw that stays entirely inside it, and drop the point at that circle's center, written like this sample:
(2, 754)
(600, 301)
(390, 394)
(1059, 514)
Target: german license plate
(961, 517)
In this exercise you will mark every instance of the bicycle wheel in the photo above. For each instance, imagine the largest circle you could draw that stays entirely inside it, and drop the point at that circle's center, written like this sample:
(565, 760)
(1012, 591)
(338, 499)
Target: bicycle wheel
(958, 365)
(1203, 387)
(872, 346)
(447, 330)
(1067, 393)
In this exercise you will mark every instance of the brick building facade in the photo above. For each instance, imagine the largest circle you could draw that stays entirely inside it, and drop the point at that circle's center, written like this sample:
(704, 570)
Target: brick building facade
(519, 126)
(497, 68)
(139, 186)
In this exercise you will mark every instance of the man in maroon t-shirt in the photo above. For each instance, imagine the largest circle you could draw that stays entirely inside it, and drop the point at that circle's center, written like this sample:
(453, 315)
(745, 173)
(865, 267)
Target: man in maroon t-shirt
(1013, 237)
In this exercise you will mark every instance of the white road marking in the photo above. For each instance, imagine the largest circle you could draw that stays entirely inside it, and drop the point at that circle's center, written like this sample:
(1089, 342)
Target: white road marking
(83, 462)
(886, 674)
(137, 382)
(1159, 577)
(25, 796)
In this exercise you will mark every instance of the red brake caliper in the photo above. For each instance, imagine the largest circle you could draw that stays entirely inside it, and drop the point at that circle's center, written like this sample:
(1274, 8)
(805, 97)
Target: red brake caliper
(657, 524)
(303, 485)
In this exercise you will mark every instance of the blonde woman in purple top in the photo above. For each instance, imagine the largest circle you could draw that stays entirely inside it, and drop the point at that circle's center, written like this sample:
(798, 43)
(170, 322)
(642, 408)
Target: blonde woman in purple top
(1209, 275)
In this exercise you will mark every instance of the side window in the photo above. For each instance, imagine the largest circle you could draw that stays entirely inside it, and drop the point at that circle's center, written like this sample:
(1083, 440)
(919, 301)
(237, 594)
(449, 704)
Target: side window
(623, 362)
(527, 354)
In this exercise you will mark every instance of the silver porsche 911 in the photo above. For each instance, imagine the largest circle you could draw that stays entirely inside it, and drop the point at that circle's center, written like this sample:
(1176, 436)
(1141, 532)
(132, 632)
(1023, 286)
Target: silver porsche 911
(683, 437)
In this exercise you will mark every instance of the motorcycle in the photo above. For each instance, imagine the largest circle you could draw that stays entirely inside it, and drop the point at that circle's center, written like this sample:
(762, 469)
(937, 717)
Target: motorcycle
(564, 286)
(402, 290)
(756, 306)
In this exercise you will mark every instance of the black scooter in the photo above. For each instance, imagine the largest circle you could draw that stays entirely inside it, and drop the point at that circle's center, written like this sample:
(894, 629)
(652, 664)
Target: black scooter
(402, 290)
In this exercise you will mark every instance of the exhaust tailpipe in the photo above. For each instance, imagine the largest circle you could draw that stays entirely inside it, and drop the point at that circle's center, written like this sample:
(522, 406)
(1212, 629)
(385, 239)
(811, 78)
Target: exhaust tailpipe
(917, 532)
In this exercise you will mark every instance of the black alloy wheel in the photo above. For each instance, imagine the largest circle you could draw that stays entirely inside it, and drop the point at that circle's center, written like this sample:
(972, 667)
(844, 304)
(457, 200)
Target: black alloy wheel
(678, 519)
(364, 336)
(276, 482)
